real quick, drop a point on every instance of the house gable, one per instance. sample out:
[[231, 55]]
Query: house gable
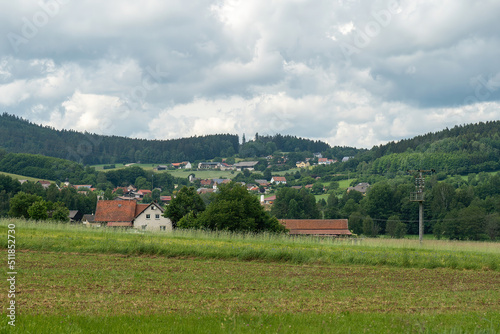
[[151, 218]]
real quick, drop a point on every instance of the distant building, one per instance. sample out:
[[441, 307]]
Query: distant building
[[278, 180], [361, 187], [326, 161], [45, 184], [326, 227], [250, 165], [209, 165], [302, 164], [145, 217]]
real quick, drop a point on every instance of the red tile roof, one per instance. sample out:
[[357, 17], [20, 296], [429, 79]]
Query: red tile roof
[[165, 198], [115, 211], [140, 208], [279, 179], [317, 226]]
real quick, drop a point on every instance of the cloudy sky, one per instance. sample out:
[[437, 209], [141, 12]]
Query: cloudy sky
[[349, 72]]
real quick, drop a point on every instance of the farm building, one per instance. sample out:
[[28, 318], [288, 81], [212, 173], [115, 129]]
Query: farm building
[[123, 213], [329, 227]]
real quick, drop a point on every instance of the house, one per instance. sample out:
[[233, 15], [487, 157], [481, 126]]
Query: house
[[85, 187], [250, 165], [120, 213], [361, 187], [263, 183], [317, 155], [302, 164], [182, 165], [225, 166], [143, 192], [269, 200], [45, 184], [206, 182], [216, 182], [278, 180], [75, 216], [327, 227], [209, 165], [326, 161], [89, 221], [201, 191], [166, 199], [161, 167], [22, 181]]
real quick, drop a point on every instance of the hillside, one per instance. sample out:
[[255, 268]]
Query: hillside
[[21, 136], [463, 149]]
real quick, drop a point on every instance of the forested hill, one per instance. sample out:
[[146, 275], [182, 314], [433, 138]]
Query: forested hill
[[463, 149], [20, 136]]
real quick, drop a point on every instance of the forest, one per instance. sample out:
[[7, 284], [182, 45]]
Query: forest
[[462, 194], [21, 136]]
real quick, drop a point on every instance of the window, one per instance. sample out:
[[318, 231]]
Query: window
[[148, 216], [163, 228], [157, 216]]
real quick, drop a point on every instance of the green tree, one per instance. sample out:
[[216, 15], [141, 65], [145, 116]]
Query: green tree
[[187, 200], [356, 223], [235, 209], [492, 222], [38, 210], [472, 223], [370, 229], [108, 195], [332, 207], [60, 212], [20, 203], [379, 202], [443, 195], [317, 188], [306, 204], [395, 227]]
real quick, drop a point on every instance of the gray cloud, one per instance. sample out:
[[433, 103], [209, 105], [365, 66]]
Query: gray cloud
[[350, 72]]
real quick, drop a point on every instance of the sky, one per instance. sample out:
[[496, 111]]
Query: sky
[[349, 72]]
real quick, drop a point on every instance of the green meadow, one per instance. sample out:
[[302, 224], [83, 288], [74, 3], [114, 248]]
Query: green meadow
[[22, 177], [73, 279]]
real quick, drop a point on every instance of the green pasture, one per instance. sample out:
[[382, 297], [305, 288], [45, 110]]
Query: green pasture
[[72, 279], [22, 177]]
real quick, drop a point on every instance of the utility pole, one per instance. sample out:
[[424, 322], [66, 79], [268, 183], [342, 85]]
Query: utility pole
[[418, 196]]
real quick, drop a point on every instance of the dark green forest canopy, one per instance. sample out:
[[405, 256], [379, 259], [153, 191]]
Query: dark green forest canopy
[[462, 150], [20, 136]]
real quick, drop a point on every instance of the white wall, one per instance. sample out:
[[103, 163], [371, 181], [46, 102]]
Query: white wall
[[152, 223]]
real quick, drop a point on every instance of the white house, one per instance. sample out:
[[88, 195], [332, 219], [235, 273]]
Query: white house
[[129, 213]]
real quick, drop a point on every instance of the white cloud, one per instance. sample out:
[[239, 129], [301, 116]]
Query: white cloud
[[169, 69]]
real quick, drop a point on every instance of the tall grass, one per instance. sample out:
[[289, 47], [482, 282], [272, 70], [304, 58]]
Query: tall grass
[[249, 246]]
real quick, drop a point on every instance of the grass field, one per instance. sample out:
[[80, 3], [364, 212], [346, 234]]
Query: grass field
[[22, 177], [77, 280], [120, 166]]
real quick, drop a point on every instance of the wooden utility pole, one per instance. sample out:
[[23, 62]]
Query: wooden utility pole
[[418, 196]]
